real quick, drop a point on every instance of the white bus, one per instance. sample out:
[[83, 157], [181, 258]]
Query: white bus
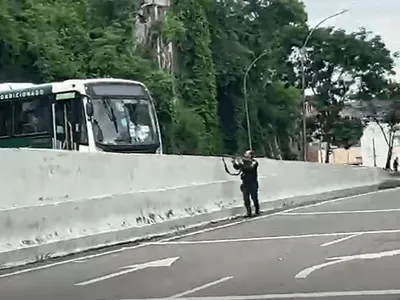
[[111, 115]]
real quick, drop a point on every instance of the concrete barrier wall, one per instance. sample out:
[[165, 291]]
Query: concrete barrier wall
[[56, 202]]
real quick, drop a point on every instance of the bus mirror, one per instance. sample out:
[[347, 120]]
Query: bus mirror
[[89, 109]]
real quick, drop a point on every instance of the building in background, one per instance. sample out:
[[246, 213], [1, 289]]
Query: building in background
[[317, 153], [317, 149], [371, 150], [374, 147]]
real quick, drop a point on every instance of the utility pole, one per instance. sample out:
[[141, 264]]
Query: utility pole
[[374, 151]]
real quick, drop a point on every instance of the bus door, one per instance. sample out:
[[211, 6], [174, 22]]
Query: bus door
[[63, 126], [69, 125]]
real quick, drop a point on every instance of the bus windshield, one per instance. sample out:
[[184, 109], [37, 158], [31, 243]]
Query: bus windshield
[[121, 121]]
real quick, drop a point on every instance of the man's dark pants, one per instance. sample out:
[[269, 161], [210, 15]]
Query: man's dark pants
[[250, 190]]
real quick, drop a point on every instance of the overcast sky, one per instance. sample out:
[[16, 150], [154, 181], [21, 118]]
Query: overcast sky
[[380, 16]]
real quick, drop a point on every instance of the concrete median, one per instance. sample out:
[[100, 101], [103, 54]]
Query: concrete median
[[55, 203]]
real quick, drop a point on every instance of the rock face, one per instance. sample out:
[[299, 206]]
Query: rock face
[[149, 13]]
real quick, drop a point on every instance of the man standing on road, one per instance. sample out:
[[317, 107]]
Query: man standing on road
[[248, 173]]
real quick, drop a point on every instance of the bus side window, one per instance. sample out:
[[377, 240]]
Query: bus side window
[[32, 116], [5, 117]]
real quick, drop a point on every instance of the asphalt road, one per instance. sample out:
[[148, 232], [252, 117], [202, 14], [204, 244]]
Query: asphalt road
[[341, 249]]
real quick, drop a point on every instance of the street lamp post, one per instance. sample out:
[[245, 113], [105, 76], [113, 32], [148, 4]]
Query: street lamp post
[[303, 80], [246, 104]]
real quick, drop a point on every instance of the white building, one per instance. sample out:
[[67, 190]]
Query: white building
[[374, 147]]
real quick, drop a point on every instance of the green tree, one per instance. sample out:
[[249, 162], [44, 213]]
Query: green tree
[[197, 81], [240, 32], [16, 64], [53, 35], [347, 132], [50, 40], [231, 58], [392, 120], [339, 63], [58, 40], [201, 106], [9, 42]]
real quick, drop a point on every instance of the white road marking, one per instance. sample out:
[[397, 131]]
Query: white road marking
[[167, 262], [202, 287], [342, 212], [119, 250], [80, 261], [64, 262], [291, 296], [284, 237], [336, 260], [340, 240], [274, 214], [306, 272], [369, 255]]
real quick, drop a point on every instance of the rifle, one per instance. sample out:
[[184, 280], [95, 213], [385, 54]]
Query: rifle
[[235, 158], [226, 166]]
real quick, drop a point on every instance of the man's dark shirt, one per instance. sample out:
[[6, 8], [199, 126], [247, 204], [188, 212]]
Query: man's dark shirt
[[249, 171]]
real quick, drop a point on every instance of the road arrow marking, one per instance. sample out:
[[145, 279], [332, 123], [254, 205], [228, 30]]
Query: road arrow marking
[[337, 260], [167, 262]]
